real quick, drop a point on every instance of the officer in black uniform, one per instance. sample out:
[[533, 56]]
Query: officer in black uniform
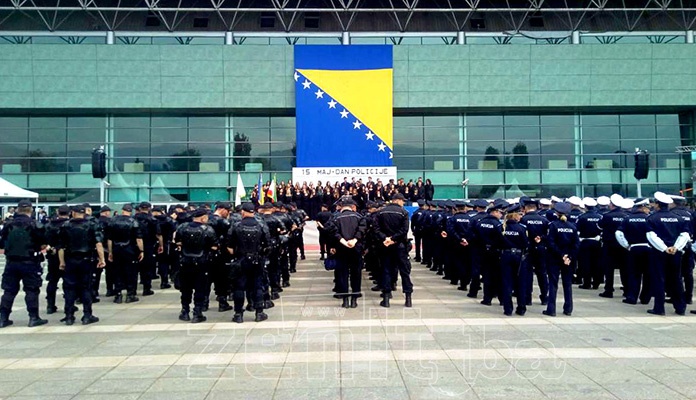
[[283, 262], [417, 228], [197, 242], [322, 218], [475, 247], [303, 217], [276, 229], [488, 232], [614, 256], [457, 230], [391, 229], [563, 245], [54, 272], [427, 228], [220, 260], [347, 231], [667, 235], [632, 235], [79, 237], [590, 254], [166, 227], [125, 243], [537, 229], [687, 259], [22, 239], [247, 243], [103, 221], [153, 244], [513, 270]]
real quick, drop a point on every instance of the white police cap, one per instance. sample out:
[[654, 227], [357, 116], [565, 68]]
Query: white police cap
[[663, 198], [642, 202], [589, 202], [575, 200], [627, 204], [616, 199], [545, 202], [603, 200], [556, 199]]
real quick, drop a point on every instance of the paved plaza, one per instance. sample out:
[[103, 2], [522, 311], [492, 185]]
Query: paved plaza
[[447, 347]]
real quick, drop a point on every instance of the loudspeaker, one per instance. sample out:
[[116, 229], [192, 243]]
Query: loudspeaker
[[642, 165], [98, 163]]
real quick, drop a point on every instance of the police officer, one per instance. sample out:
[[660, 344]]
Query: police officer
[[457, 230], [167, 227], [563, 244], [197, 242], [322, 219], [667, 235], [276, 229], [54, 272], [247, 243], [391, 229], [22, 239], [283, 262], [590, 254], [537, 229], [79, 237], [303, 217], [417, 227], [347, 230], [512, 268], [476, 247], [126, 247], [488, 231], [687, 259], [614, 256], [153, 244], [632, 235], [219, 267], [103, 221]]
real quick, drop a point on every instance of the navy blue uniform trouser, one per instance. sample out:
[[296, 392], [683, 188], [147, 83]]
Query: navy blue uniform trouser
[[348, 271], [248, 283], [394, 260], [613, 257], [147, 268], [688, 274], [589, 263], [536, 259], [27, 273], [125, 270], [77, 281], [556, 269], [637, 267], [220, 275], [490, 271], [194, 284], [418, 241], [509, 268], [460, 264], [666, 275], [475, 270], [52, 277]]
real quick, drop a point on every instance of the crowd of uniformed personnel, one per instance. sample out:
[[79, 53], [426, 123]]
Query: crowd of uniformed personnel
[[246, 254], [499, 246]]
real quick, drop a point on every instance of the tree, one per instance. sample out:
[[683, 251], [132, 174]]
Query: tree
[[38, 161], [520, 158], [186, 160], [241, 151], [492, 155], [293, 163]]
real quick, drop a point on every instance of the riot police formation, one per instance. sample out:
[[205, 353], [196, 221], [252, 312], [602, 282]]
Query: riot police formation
[[517, 251]]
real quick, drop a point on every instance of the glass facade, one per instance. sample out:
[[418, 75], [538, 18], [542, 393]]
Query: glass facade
[[195, 158]]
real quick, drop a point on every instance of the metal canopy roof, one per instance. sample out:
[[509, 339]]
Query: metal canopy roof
[[624, 15]]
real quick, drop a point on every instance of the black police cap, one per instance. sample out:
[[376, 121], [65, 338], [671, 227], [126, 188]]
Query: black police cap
[[64, 209], [562, 208], [480, 203], [515, 208], [127, 207], [24, 203], [223, 205], [199, 212], [104, 209], [248, 207], [398, 196], [79, 208], [145, 205]]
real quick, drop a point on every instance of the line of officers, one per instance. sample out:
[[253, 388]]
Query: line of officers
[[499, 246], [243, 254]]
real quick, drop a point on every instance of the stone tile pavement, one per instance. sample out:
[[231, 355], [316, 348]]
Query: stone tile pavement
[[448, 346]]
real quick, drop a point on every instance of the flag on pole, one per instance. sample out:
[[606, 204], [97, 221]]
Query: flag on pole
[[272, 190], [262, 193], [240, 191]]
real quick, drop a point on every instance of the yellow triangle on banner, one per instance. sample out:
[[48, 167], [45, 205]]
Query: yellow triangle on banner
[[367, 95]]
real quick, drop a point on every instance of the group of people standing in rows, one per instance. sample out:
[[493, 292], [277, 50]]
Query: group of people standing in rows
[[311, 196], [500, 246], [243, 254]]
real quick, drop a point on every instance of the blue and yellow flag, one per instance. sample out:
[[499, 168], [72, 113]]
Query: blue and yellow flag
[[344, 102]]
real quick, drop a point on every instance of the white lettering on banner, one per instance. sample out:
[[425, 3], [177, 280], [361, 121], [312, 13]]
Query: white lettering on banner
[[336, 174]]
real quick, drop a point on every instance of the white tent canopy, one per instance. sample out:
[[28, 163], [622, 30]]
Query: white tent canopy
[[10, 190]]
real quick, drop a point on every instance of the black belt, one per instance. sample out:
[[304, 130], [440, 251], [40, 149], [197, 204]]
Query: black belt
[[513, 251]]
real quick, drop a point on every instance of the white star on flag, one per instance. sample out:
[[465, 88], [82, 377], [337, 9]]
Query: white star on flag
[[391, 155], [332, 103], [357, 124], [370, 135], [319, 93], [344, 113], [306, 84], [296, 76], [382, 146]]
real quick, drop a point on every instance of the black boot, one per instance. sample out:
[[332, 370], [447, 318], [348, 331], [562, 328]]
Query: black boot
[[346, 303], [89, 319], [165, 285], [5, 320], [353, 302], [69, 319], [260, 316], [249, 307], [148, 292], [198, 316], [385, 300], [238, 318], [35, 320], [118, 298], [408, 300], [110, 293], [184, 315], [131, 298], [51, 309], [223, 304], [275, 296]]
